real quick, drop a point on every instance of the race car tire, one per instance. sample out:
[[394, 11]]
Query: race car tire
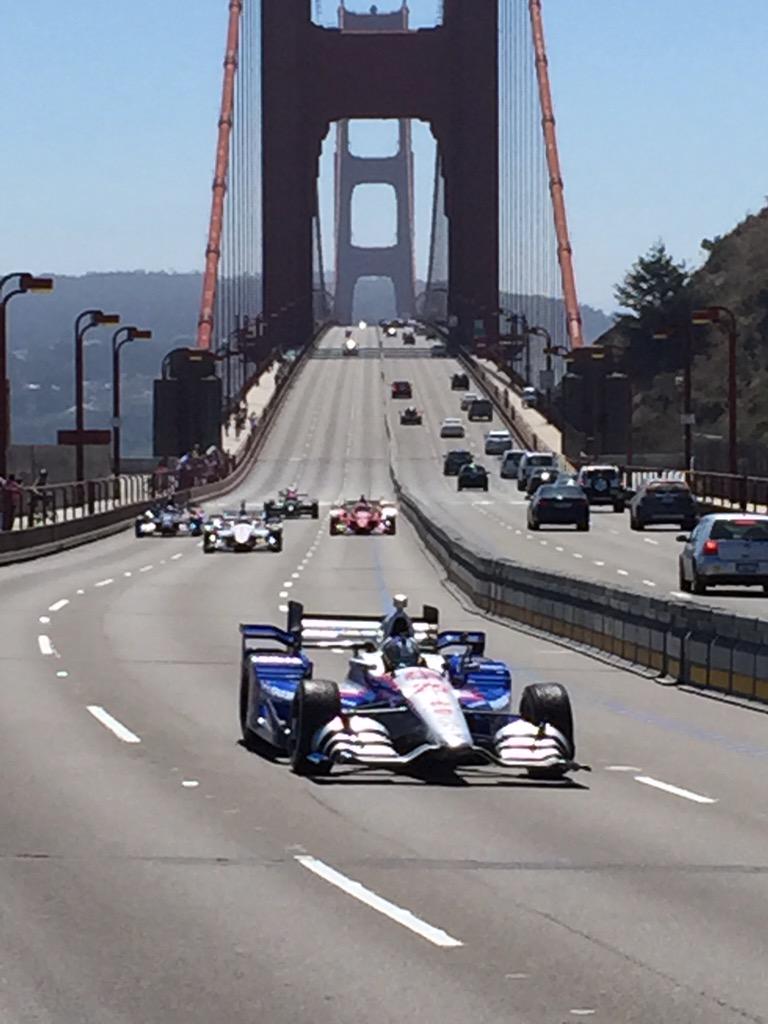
[[533, 526], [137, 531], [392, 527], [278, 546], [209, 549], [550, 703], [315, 510], [582, 527], [269, 508], [317, 702]]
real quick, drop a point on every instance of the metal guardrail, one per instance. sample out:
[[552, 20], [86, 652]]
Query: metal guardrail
[[745, 493]]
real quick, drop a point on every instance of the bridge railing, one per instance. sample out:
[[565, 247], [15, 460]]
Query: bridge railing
[[745, 493]]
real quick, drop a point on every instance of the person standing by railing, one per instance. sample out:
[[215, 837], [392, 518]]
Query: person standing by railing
[[10, 501]]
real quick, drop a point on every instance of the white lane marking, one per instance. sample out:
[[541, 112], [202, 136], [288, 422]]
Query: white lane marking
[[58, 605], [649, 583], [601, 564], [583, 1013], [282, 607], [283, 593], [179, 554], [295, 575], [146, 568], [112, 724], [62, 674], [543, 543], [287, 584], [127, 574], [190, 783], [647, 540], [558, 548], [44, 619], [697, 798], [80, 591], [577, 555], [45, 645], [622, 572], [104, 583], [398, 914], [518, 532], [621, 768]]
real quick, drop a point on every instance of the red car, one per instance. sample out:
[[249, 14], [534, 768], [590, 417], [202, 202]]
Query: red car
[[363, 517], [402, 389]]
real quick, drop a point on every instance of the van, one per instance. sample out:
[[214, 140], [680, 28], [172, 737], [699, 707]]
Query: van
[[511, 463], [531, 461], [481, 409]]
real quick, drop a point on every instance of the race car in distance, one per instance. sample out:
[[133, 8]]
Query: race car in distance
[[242, 531], [454, 460], [292, 504], [472, 476], [459, 382], [350, 347], [363, 517], [169, 519], [412, 695], [559, 505], [409, 338], [402, 389], [410, 417]]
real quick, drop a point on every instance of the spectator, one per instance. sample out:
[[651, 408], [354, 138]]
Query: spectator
[[11, 501]]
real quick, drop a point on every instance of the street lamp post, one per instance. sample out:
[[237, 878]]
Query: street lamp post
[[687, 417], [129, 334], [24, 283], [83, 323], [716, 315]]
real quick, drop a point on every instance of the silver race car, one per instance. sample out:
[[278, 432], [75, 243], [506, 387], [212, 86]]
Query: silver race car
[[242, 531]]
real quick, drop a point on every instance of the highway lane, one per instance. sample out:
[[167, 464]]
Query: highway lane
[[132, 894], [610, 553]]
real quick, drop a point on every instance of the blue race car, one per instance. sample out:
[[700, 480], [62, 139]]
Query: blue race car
[[412, 694]]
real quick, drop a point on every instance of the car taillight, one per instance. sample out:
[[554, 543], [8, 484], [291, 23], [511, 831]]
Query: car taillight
[[710, 547]]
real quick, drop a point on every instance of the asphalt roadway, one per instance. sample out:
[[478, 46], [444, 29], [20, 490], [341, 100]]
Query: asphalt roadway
[[152, 871], [610, 553]]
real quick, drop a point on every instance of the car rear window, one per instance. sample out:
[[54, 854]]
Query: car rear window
[[668, 487], [540, 460], [600, 474], [739, 529]]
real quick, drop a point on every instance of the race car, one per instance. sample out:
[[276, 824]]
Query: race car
[[402, 389], [363, 517], [409, 338], [412, 695], [169, 519], [350, 347], [292, 504], [242, 531], [410, 417]]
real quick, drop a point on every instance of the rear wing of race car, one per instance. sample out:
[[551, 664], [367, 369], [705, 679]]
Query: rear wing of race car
[[472, 639], [353, 631], [249, 631]]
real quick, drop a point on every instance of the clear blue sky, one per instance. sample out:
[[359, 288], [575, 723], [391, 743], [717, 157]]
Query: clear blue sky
[[109, 117]]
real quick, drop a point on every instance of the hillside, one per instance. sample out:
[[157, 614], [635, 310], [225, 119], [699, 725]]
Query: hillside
[[734, 275]]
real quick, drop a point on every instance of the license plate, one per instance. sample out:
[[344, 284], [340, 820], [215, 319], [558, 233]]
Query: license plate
[[565, 504], [746, 567]]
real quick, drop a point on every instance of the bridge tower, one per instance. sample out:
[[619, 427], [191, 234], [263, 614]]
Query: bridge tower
[[446, 76], [395, 262]]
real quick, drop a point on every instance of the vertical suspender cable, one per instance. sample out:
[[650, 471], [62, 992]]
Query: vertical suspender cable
[[213, 248], [565, 253]]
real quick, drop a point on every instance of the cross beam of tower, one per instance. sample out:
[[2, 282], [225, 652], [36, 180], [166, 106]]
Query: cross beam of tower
[[353, 262]]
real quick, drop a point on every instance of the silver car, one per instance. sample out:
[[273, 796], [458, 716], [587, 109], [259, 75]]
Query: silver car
[[497, 442], [725, 548], [467, 399], [452, 427]]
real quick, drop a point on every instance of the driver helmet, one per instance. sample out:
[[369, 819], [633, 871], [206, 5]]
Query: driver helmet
[[400, 652]]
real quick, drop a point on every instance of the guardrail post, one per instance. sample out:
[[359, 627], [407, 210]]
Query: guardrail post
[[90, 496]]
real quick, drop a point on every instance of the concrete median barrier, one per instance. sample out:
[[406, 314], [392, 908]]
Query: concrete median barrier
[[680, 640]]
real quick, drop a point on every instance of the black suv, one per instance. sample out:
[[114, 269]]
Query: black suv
[[454, 460], [472, 476], [663, 501]]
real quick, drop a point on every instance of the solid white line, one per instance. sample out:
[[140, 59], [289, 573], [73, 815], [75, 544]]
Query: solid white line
[[398, 914], [674, 790], [679, 593], [113, 725], [45, 645], [59, 605], [104, 583]]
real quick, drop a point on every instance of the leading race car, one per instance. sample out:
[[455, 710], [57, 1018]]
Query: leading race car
[[292, 504], [410, 417], [363, 517], [412, 695], [170, 519], [242, 531]]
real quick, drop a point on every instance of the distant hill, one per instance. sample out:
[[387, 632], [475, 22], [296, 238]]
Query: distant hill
[[42, 349]]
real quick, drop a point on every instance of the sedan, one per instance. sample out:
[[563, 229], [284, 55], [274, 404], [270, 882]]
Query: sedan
[[452, 427], [402, 389], [472, 477], [726, 548], [467, 400], [563, 506], [454, 460], [497, 442]]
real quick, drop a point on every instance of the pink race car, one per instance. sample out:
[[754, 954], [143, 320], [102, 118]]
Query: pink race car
[[363, 517]]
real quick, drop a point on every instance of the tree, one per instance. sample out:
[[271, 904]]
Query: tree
[[653, 282]]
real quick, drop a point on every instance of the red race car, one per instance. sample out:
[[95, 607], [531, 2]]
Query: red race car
[[402, 389], [363, 517]]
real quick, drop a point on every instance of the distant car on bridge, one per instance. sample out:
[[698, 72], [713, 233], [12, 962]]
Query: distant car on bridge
[[452, 427], [402, 389], [454, 460], [459, 382], [602, 486], [472, 477], [558, 506]]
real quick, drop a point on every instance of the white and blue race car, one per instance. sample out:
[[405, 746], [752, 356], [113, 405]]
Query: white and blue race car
[[412, 695]]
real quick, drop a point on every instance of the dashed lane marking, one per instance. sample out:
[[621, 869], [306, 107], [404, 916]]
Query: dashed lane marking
[[577, 554], [398, 914], [686, 794], [104, 583], [146, 568], [622, 572], [601, 564], [649, 583], [58, 605], [45, 645], [44, 620], [179, 554], [113, 725], [647, 540]]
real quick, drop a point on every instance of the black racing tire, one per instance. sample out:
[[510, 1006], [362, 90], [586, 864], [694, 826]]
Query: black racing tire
[[250, 738], [137, 531], [392, 528], [534, 526], [315, 510], [485, 486], [269, 508], [550, 703], [684, 584], [209, 549], [636, 524], [331, 527], [583, 527], [459, 487], [277, 547], [520, 485], [317, 702]]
